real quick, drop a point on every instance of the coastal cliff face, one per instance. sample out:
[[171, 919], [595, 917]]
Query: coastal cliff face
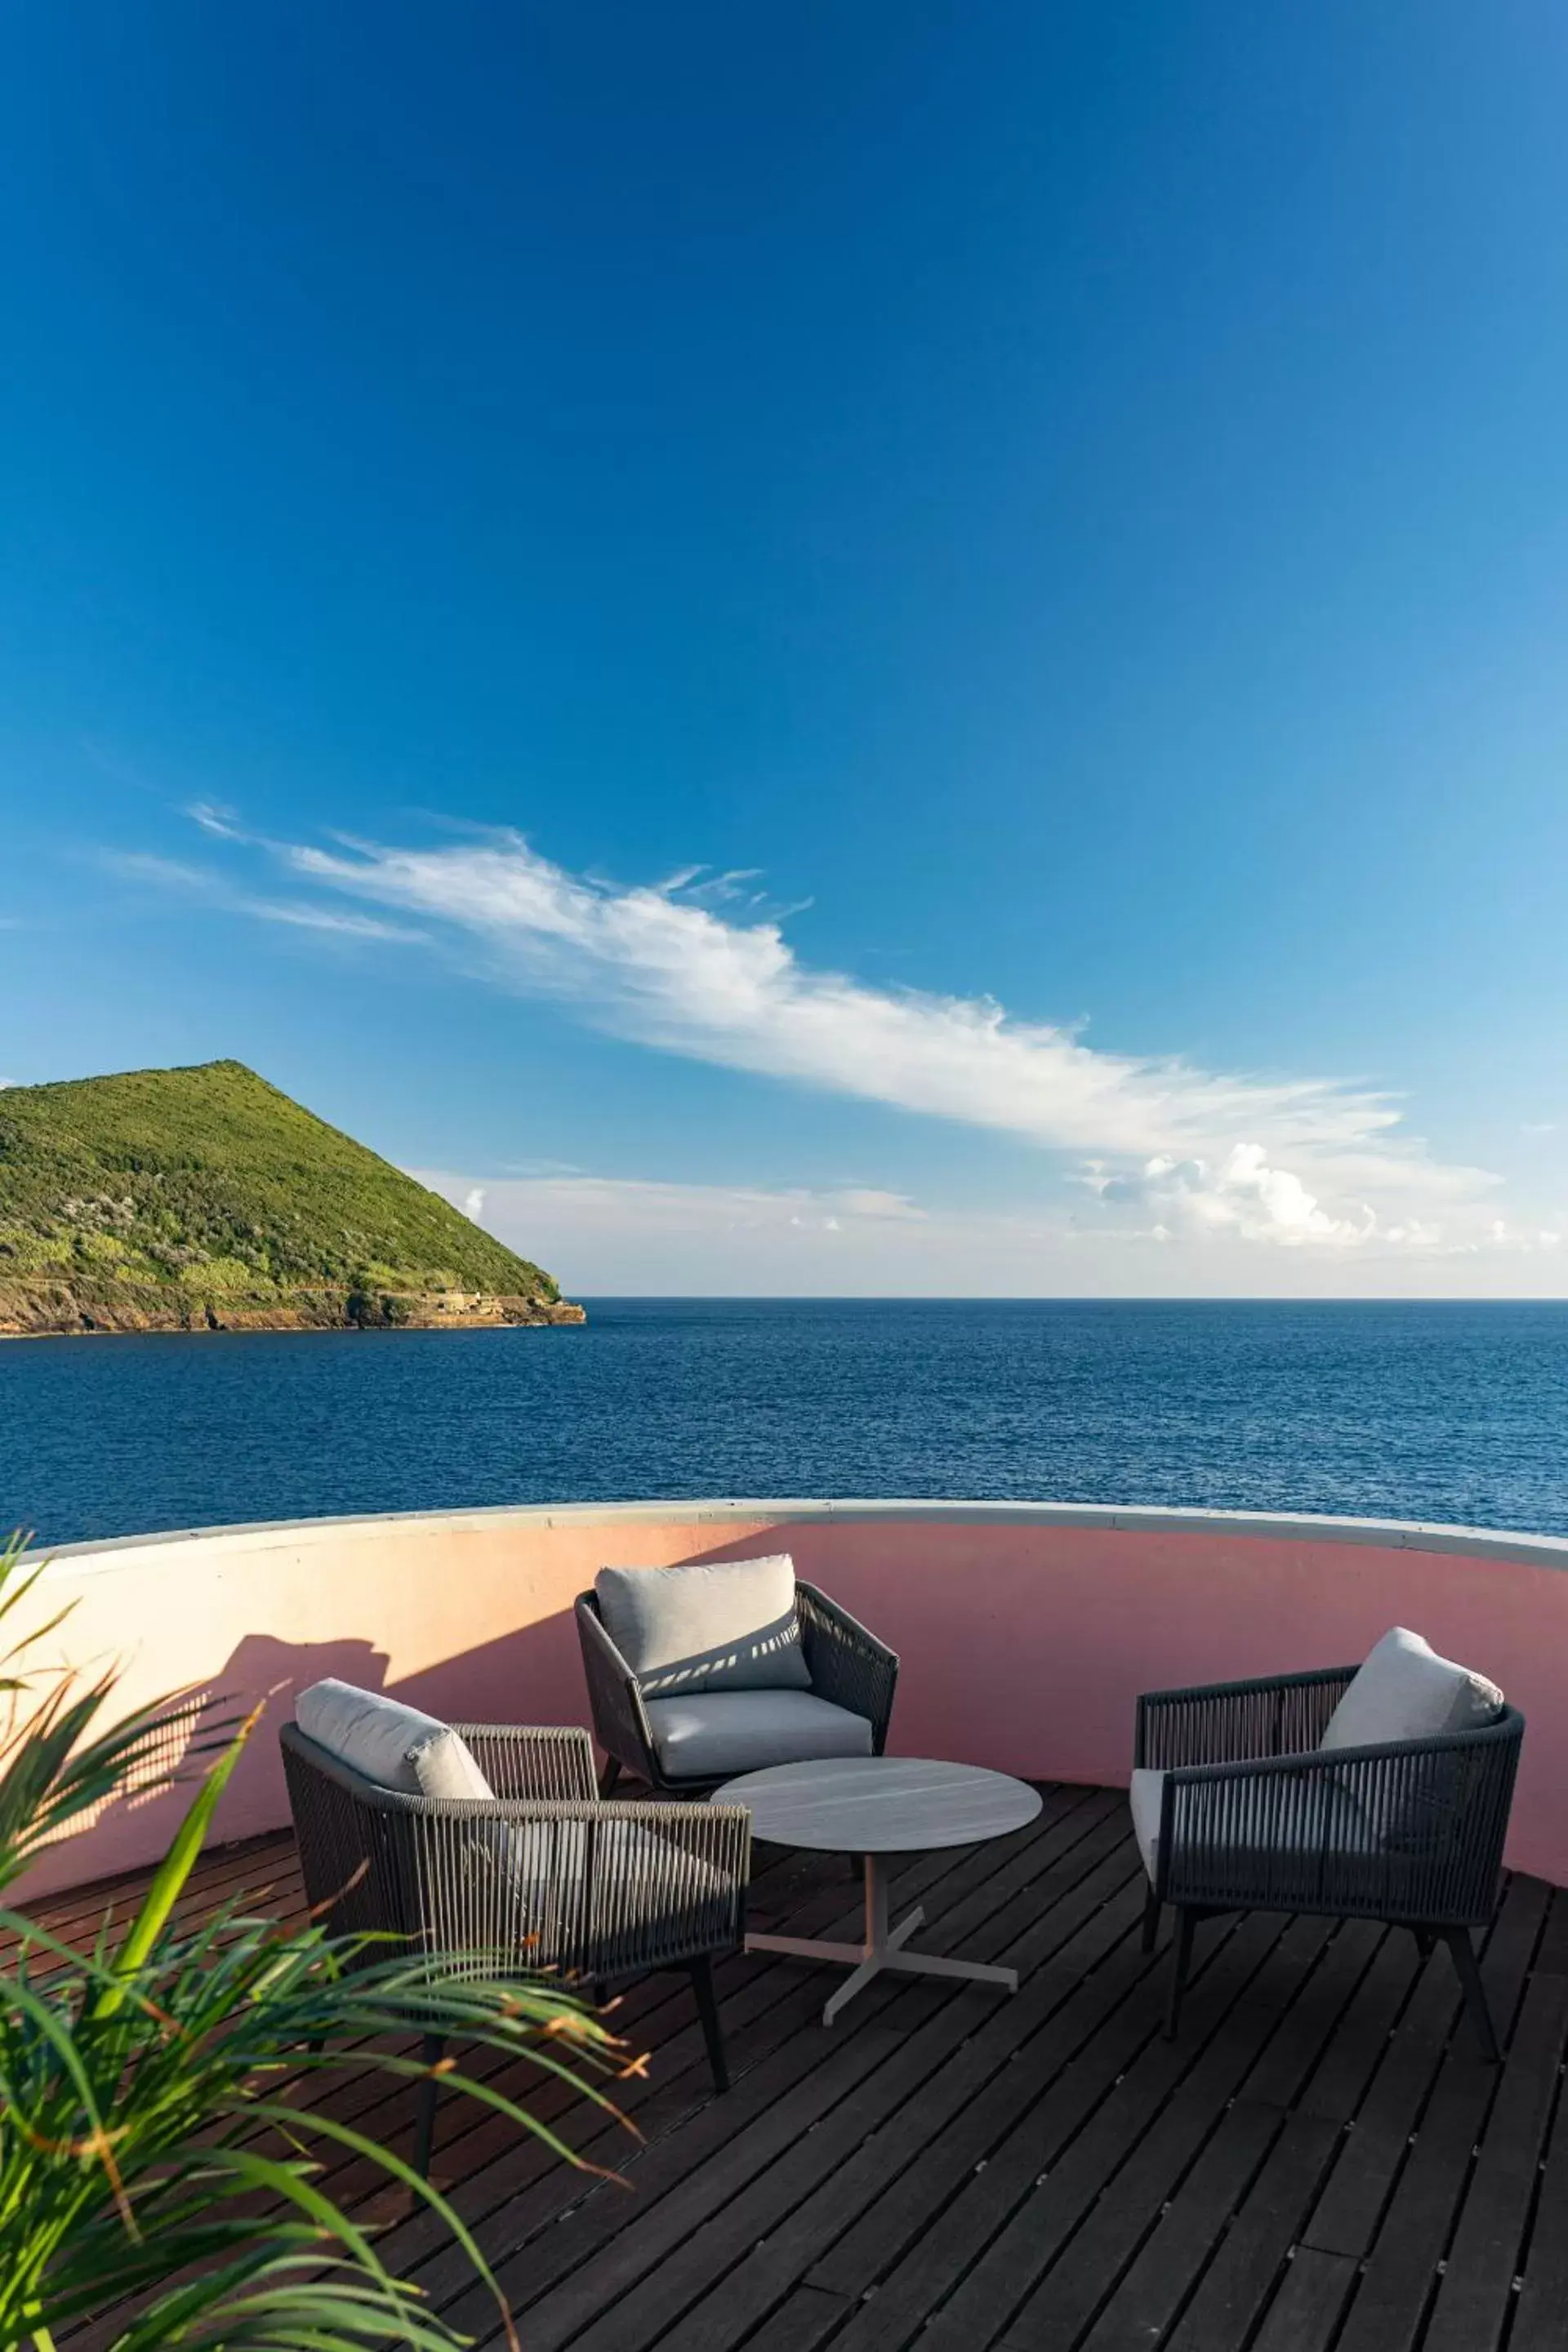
[[204, 1200], [39, 1310]]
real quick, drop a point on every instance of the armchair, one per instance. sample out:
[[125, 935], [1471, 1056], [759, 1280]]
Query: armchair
[[539, 1878], [1237, 1805], [691, 1738]]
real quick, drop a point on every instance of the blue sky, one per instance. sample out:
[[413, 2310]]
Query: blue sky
[[1053, 520]]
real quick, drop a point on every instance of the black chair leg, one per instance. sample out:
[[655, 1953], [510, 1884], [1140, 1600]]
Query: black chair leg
[[1469, 1973], [1181, 1957], [1424, 1942], [609, 1776], [1151, 1920], [707, 2011], [424, 2131]]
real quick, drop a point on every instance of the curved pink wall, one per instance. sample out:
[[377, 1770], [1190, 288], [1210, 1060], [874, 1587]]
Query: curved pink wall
[[1024, 1634]]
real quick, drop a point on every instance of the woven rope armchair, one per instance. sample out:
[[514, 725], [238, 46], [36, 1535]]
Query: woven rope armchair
[[847, 1665], [1254, 1816], [545, 1877]]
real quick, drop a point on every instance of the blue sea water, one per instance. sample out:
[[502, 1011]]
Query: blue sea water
[[1455, 1412]]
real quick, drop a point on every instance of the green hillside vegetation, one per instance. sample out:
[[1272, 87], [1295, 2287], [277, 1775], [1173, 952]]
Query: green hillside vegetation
[[174, 1199]]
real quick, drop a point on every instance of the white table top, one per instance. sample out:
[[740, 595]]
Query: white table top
[[880, 1804]]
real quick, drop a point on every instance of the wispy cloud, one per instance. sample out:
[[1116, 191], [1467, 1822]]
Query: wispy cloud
[[305, 917], [1307, 1161], [658, 966], [610, 1235], [163, 873], [698, 964], [205, 883]]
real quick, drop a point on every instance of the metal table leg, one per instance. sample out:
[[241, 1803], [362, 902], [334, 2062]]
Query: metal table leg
[[881, 1949]]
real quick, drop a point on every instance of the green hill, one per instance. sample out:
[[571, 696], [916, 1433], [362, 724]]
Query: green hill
[[178, 1199]]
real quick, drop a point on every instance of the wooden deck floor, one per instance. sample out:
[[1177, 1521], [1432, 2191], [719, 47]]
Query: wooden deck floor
[[1322, 2160]]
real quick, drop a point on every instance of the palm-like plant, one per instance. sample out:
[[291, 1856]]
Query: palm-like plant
[[156, 2159]]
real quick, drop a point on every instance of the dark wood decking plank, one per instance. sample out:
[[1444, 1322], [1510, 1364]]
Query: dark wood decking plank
[[506, 2185], [804, 2322], [1247, 2261], [527, 2083], [1011, 2221], [1347, 2216], [1486, 2251], [847, 2096], [1551, 1952], [510, 2185], [343, 2172], [1076, 1993], [1390, 2307], [899, 2146], [874, 2187], [658, 2011], [1338, 2083], [227, 1875], [1156, 2283], [1194, 2218], [783, 1999], [737, 2138], [1306, 2311], [1042, 2098], [1256, 2059], [1540, 2323], [1181, 2244], [75, 1910], [1110, 2019]]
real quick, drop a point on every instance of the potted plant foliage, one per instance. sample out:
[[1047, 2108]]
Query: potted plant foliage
[[161, 2159]]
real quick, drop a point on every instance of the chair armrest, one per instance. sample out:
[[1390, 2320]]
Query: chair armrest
[[528, 1760], [669, 1882], [615, 1696], [1238, 1722], [1412, 1830], [600, 1890], [848, 1666]]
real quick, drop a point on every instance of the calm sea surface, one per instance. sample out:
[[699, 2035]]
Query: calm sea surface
[[1457, 1413]]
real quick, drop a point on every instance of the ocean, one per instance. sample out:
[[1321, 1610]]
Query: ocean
[[1448, 1412]]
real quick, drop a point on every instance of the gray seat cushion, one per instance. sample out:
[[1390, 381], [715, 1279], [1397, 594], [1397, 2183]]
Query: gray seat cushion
[[706, 1625], [718, 1734], [1405, 1691], [396, 1746]]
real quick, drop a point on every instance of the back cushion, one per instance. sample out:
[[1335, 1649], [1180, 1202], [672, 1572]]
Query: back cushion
[[396, 1746], [708, 1626], [1405, 1691]]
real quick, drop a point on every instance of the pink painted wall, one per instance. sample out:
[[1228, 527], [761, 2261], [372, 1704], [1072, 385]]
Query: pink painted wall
[[1024, 1642]]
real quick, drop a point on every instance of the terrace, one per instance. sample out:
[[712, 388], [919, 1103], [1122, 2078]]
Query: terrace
[[1321, 2158]]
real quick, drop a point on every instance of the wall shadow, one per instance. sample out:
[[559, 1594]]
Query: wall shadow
[[532, 1675]]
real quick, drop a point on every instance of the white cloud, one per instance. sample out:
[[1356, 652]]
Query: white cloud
[[698, 965], [1306, 1160], [609, 1236], [214, 817], [204, 882], [1242, 1195], [306, 917], [166, 873], [473, 1203], [663, 967]]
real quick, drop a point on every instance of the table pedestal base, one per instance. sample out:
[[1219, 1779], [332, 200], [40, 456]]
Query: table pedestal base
[[881, 1951]]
